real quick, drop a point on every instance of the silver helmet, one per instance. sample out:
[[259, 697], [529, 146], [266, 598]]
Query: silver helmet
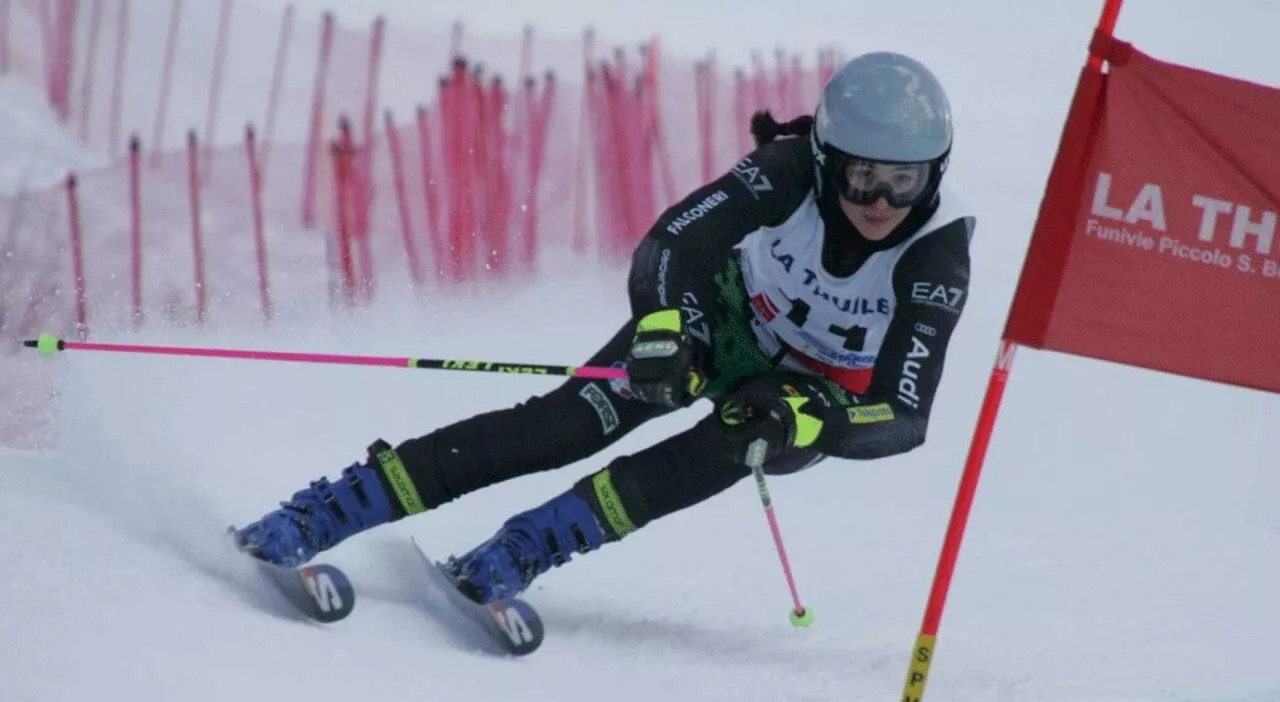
[[882, 129]]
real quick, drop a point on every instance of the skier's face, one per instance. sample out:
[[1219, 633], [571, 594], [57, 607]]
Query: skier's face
[[876, 197], [875, 221]]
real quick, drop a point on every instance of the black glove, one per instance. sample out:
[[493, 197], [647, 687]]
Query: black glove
[[660, 363], [770, 414]]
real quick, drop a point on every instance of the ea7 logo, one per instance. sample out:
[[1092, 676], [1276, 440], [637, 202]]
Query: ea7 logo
[[751, 177], [937, 295], [694, 321]]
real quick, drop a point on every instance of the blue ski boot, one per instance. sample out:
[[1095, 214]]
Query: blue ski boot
[[325, 513], [528, 545]]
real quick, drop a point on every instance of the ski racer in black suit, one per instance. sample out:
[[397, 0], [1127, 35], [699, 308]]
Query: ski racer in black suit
[[810, 294]]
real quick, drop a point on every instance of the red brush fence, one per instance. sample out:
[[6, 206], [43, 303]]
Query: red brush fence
[[259, 225], [461, 176], [481, 181], [197, 237], [77, 258]]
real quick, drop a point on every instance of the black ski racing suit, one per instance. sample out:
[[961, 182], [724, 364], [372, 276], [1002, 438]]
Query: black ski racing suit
[[688, 260]]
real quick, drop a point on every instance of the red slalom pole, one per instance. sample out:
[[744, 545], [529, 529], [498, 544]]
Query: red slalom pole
[[259, 227], [402, 199], [117, 85], [197, 235], [315, 137], [925, 648], [48, 345], [77, 254], [922, 653], [166, 80], [135, 229], [90, 60]]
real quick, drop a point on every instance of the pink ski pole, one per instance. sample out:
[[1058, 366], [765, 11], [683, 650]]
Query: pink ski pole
[[48, 345], [801, 616]]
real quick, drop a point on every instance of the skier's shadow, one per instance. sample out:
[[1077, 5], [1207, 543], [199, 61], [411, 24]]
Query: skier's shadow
[[633, 630], [184, 526], [194, 539], [213, 555], [748, 646]]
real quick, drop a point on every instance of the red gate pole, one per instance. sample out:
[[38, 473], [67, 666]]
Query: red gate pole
[[273, 94], [402, 200], [77, 257], [166, 80], [431, 195], [90, 61], [922, 653], [314, 136], [259, 233], [4, 36], [215, 87], [135, 237], [197, 237], [117, 85]]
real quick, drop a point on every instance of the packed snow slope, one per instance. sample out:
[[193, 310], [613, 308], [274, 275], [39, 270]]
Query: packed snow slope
[[1122, 545]]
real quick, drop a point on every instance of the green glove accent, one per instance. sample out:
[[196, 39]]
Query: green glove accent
[[662, 320], [660, 361], [808, 427]]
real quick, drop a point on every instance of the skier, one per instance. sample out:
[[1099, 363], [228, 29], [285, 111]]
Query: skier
[[810, 293]]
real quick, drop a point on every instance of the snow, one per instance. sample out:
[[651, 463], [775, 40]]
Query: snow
[[37, 152], [1121, 545]]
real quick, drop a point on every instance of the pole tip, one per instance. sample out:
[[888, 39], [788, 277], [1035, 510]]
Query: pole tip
[[802, 618], [47, 344]]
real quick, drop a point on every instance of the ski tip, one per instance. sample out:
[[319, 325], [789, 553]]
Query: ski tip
[[331, 595], [519, 623], [512, 624], [320, 591]]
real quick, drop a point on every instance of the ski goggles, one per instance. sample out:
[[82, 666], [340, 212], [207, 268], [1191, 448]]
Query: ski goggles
[[863, 182]]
